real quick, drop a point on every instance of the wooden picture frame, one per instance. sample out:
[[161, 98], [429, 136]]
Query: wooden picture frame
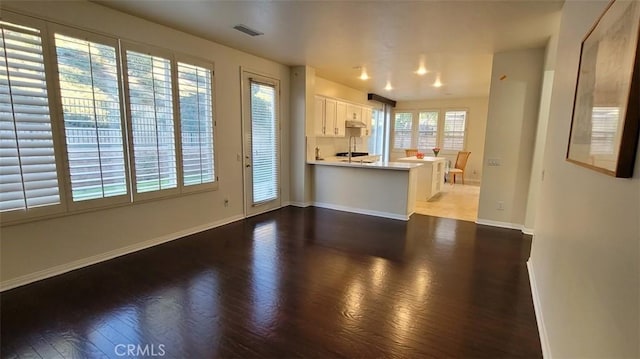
[[606, 110]]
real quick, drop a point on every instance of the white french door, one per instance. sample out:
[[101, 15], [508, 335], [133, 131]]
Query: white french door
[[261, 142]]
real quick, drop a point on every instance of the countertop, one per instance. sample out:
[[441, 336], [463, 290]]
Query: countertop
[[397, 166], [425, 159]]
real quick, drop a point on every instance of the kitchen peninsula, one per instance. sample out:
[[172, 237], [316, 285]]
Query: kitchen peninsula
[[384, 189], [430, 176]]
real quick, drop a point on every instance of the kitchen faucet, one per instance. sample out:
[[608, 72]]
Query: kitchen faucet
[[354, 145]]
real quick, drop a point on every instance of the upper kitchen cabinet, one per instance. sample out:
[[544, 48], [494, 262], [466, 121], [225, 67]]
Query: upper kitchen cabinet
[[320, 125], [341, 117], [367, 116], [354, 113], [330, 116]]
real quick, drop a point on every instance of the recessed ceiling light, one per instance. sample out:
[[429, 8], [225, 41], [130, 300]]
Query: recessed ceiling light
[[437, 83], [388, 87], [247, 30], [363, 75], [421, 71]]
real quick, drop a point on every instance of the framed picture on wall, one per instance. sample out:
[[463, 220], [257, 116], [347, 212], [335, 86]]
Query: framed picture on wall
[[606, 111]]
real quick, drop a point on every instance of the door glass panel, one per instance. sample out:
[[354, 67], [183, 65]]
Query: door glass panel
[[264, 145]]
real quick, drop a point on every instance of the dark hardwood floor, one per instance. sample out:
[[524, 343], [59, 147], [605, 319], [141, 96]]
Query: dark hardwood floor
[[290, 283]]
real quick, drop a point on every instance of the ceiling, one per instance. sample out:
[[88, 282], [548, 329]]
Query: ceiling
[[453, 40]]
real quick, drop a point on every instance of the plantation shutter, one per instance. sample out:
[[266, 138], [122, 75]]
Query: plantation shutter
[[604, 125], [28, 175], [454, 128], [90, 95], [264, 142], [151, 109], [427, 130], [402, 130], [196, 122]]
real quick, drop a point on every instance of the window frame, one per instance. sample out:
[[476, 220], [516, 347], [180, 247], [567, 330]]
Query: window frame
[[439, 127], [415, 112], [123, 199], [412, 131], [189, 60], [47, 30], [465, 132], [20, 215], [168, 55]]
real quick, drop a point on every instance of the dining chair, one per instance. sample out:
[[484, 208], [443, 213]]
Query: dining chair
[[461, 163], [411, 152]]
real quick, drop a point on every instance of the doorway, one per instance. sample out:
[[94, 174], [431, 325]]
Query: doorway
[[261, 143]]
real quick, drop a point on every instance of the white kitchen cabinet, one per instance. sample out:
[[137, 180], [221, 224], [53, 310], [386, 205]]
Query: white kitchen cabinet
[[329, 117], [341, 117], [430, 175], [367, 119], [319, 117], [354, 113]]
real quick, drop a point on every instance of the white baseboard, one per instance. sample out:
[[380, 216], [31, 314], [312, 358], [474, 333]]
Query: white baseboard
[[362, 211], [542, 329], [508, 225], [300, 204], [520, 227], [528, 231], [84, 262]]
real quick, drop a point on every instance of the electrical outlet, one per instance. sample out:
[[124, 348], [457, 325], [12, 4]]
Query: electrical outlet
[[226, 202], [500, 206], [494, 162]]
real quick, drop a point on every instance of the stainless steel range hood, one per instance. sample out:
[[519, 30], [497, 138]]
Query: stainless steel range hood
[[354, 124]]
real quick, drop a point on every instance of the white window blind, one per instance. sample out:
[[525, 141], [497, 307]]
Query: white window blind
[[28, 176], [427, 130], [89, 88], [151, 109], [604, 125], [196, 122], [402, 130], [454, 128], [264, 142]]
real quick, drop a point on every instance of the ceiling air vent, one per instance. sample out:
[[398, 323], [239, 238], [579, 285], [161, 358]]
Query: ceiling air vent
[[247, 30]]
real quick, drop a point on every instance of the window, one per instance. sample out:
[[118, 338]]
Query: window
[[196, 123], [28, 174], [90, 96], [427, 130], [264, 145], [454, 127], [376, 139], [604, 124], [150, 97], [159, 141], [402, 130]]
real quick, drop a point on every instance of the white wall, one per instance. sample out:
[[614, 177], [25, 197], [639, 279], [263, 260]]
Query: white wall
[[302, 95], [333, 89], [510, 136], [35, 249], [585, 258], [477, 123], [535, 181]]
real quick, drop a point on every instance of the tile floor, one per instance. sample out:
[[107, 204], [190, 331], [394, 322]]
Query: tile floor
[[457, 201]]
